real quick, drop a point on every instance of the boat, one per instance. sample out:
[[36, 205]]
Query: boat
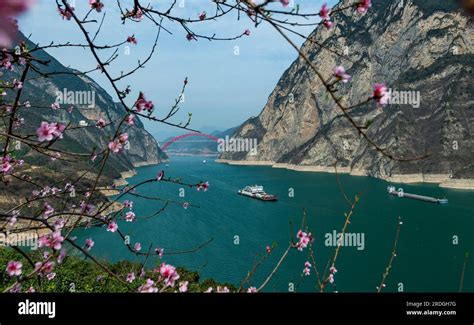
[[257, 192], [401, 193]]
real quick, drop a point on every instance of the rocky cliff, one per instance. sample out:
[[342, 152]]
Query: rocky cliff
[[425, 47]]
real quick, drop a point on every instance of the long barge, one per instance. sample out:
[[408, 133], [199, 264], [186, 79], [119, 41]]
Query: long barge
[[400, 193]]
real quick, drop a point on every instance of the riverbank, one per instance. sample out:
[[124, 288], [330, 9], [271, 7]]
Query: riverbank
[[122, 180], [179, 154], [443, 180]]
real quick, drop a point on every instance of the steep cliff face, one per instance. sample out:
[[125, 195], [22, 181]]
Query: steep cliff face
[[42, 92], [411, 45]]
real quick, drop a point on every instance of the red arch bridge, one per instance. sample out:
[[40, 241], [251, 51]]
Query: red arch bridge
[[187, 135]]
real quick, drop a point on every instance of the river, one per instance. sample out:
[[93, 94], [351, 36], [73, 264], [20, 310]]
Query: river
[[431, 249]]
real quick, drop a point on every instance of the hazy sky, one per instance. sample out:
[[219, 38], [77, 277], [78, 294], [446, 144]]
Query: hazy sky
[[224, 88]]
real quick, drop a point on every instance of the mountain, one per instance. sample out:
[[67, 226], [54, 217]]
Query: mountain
[[412, 45], [197, 145], [41, 92]]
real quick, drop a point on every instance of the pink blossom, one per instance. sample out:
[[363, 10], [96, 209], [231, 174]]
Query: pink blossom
[[16, 288], [148, 287], [160, 175], [51, 276], [49, 131], [115, 146], [47, 210], [363, 6], [123, 138], [222, 289], [304, 240], [132, 40], [252, 290], [168, 272], [89, 244], [333, 270], [143, 104], [6, 63], [63, 253], [183, 286], [307, 268], [130, 119], [268, 249], [381, 94], [87, 208], [6, 166], [130, 277], [202, 15], [56, 240], [44, 268], [324, 13], [45, 132], [100, 123], [190, 37], [137, 247], [17, 84], [55, 155], [128, 204], [66, 13], [285, 3], [328, 24], [55, 190], [159, 251], [8, 10], [247, 32], [138, 15], [209, 290], [112, 226], [44, 241], [96, 4], [203, 186], [12, 220], [14, 268], [185, 205], [59, 223], [340, 74], [130, 216], [331, 278]]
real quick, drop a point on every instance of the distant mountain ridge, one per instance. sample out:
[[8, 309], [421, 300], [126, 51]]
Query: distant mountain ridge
[[197, 145]]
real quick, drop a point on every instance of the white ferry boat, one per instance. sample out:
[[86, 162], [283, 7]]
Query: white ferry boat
[[257, 192]]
